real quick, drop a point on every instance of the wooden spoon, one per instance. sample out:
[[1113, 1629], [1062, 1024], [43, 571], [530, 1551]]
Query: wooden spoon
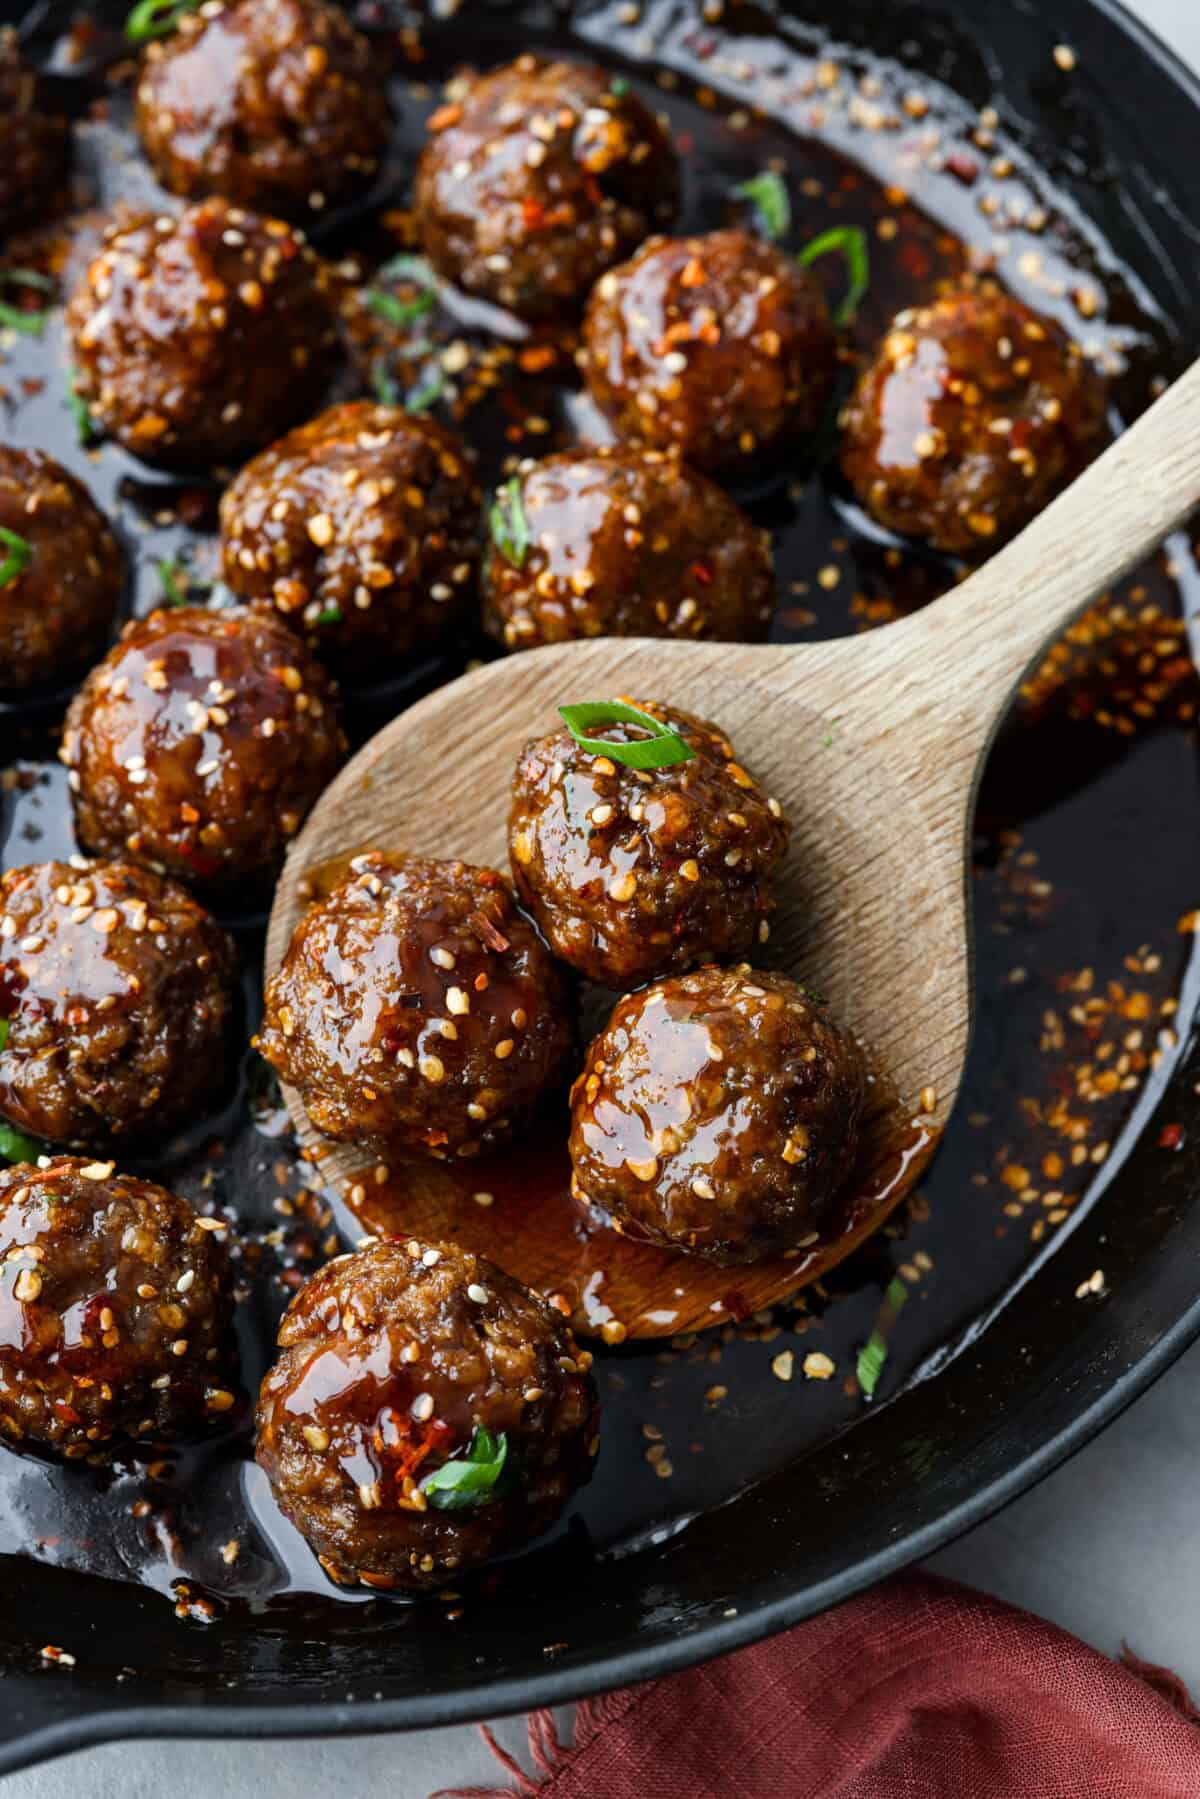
[[875, 745]]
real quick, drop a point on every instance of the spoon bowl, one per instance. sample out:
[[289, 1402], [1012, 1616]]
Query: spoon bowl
[[874, 746]]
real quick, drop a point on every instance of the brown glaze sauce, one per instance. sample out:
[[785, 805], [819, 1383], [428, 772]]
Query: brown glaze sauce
[[1076, 917]]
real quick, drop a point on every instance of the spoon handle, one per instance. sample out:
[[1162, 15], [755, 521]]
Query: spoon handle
[[979, 639]]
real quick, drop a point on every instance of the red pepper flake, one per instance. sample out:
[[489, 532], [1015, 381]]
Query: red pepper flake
[[736, 1305], [1171, 1136], [963, 167], [533, 214], [487, 932], [444, 117], [693, 273], [538, 357], [702, 573]]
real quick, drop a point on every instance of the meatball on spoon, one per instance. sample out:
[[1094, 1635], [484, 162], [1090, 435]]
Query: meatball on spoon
[[873, 745]]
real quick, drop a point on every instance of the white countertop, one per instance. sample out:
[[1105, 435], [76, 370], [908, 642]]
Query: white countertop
[[1107, 1547]]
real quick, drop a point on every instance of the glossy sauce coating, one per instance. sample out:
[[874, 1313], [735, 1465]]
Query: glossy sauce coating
[[973, 414], [417, 1010], [197, 339], [276, 104], [117, 990], [718, 1114], [362, 528], [545, 174], [200, 742], [56, 612], [721, 346], [632, 873], [114, 1308], [34, 141], [628, 542], [391, 1359]]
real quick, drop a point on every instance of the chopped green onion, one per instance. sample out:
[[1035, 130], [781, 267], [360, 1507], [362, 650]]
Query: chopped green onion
[[330, 615], [618, 87], [85, 424], [768, 195], [398, 312], [4, 1025], [156, 18], [851, 242], [16, 1147], [874, 1352], [659, 749], [20, 555], [174, 578], [427, 391], [28, 278], [471, 1479], [386, 391], [29, 324], [508, 525]]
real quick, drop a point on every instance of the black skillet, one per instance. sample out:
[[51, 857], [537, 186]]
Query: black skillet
[[782, 1497]]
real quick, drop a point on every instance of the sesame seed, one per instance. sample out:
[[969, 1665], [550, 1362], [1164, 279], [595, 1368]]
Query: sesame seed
[[422, 1407], [432, 1068], [623, 887], [431, 1258], [186, 1281], [484, 1199], [28, 1285], [457, 1000], [642, 1171], [477, 1293], [97, 1171], [504, 1049], [442, 958]]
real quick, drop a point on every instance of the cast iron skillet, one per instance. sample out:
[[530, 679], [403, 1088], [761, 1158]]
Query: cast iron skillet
[[1004, 1399]]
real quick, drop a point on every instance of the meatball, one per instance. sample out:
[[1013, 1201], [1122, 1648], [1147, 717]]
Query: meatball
[[544, 176], [116, 991], [362, 527], [417, 1010], [972, 415], [718, 1113], [721, 346], [197, 339], [200, 742], [427, 1413], [57, 604], [277, 104], [631, 873], [114, 1310], [625, 542], [34, 141]]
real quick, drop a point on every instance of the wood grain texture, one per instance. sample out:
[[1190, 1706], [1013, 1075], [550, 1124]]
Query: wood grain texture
[[873, 744]]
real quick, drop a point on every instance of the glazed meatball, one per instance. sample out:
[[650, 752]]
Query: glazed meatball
[[625, 542], [114, 1311], [400, 1365], [34, 141], [277, 104], [721, 346], [199, 744], [362, 528], [57, 606], [116, 989], [544, 176], [718, 1113], [631, 873], [973, 414], [416, 1010], [197, 339]]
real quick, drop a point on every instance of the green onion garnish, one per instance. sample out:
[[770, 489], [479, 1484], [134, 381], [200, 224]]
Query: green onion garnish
[[174, 578], [386, 391], [20, 554], [469, 1479], [874, 1352], [3, 1032], [426, 392], [31, 324], [27, 278], [85, 424], [658, 749], [398, 312], [508, 525], [851, 242], [768, 195], [16, 1147], [156, 18], [330, 615], [618, 87]]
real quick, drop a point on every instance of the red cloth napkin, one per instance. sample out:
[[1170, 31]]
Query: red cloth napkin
[[918, 1690]]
